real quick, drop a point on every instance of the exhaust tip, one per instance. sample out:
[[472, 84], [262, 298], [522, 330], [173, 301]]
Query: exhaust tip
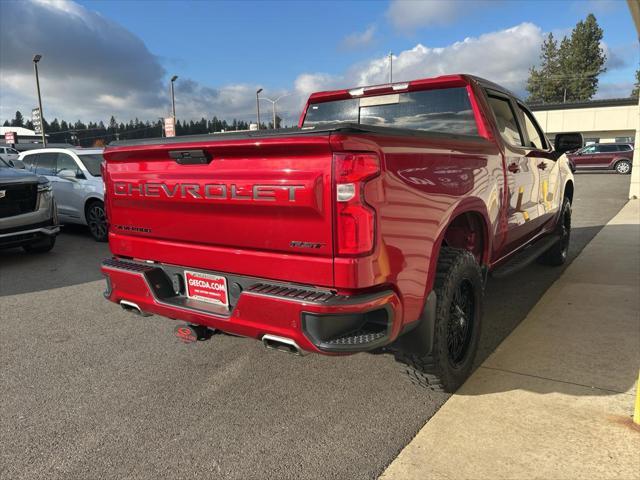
[[283, 344], [133, 308]]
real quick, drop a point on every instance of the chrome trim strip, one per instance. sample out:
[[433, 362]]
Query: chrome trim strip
[[283, 340]]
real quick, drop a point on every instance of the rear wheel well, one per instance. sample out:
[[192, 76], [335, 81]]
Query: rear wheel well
[[91, 200], [88, 202], [568, 191], [468, 232], [618, 160]]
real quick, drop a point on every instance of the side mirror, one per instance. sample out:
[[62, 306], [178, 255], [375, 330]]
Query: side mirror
[[565, 142], [67, 174]]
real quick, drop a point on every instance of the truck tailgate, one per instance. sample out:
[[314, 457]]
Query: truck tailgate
[[241, 206]]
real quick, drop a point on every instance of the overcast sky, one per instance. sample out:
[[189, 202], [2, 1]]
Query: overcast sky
[[116, 57]]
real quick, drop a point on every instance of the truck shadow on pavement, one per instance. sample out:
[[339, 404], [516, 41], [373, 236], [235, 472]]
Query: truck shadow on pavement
[[571, 344]]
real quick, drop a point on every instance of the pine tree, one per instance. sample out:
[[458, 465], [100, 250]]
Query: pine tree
[[544, 84], [584, 60], [569, 72], [18, 121], [636, 86]]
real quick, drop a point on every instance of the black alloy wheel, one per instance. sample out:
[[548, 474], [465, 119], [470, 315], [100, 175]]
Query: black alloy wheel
[[459, 290], [97, 221], [461, 322], [557, 255]]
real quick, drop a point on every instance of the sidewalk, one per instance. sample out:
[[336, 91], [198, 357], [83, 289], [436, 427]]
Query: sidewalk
[[555, 400]]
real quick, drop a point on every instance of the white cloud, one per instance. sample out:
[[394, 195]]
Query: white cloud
[[93, 68], [503, 56], [359, 39], [89, 65], [408, 15]]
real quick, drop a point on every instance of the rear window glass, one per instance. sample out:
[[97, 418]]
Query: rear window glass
[[442, 110], [339, 111], [46, 164], [608, 148], [30, 161]]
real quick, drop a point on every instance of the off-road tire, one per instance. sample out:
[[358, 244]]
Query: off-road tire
[[623, 167], [97, 220], [41, 246], [435, 370], [557, 255]]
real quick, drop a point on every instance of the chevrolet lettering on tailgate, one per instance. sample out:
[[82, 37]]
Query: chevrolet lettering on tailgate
[[209, 191]]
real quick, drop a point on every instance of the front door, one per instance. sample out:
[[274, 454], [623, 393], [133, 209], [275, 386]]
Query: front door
[[523, 178], [69, 193], [589, 157], [540, 152]]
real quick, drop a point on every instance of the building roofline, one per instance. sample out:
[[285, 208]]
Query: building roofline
[[607, 102]]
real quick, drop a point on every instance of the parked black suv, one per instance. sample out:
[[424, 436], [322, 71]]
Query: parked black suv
[[28, 216]]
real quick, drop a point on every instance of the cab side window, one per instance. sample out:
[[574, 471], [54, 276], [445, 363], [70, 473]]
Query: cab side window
[[534, 132], [65, 162], [30, 162], [46, 164], [506, 120], [607, 148]]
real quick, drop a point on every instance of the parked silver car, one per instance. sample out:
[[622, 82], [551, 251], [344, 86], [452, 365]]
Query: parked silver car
[[28, 216], [77, 184]]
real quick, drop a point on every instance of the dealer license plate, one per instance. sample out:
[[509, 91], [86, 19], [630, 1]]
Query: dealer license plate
[[207, 288]]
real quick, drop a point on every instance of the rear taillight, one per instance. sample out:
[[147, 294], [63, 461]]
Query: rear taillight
[[355, 220]]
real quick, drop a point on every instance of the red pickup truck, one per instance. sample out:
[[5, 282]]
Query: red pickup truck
[[372, 226]]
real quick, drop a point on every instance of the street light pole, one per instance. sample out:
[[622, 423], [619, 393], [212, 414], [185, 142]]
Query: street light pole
[[274, 115], [273, 103], [36, 59], [390, 67], [258, 105], [173, 99]]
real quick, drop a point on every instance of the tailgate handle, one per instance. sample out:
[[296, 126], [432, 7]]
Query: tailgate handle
[[190, 157]]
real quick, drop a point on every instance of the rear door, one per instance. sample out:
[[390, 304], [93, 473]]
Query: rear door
[[606, 154], [264, 196]]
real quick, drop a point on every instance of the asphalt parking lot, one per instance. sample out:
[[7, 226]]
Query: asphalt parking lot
[[88, 391]]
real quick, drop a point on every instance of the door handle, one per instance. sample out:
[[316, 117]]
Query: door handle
[[542, 165], [513, 168]]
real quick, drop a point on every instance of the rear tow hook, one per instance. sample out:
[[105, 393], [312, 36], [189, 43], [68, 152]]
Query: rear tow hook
[[193, 333]]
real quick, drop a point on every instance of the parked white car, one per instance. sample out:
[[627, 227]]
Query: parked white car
[[9, 154], [77, 184]]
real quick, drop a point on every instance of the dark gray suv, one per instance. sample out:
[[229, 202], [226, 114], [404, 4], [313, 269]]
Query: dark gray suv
[[28, 215]]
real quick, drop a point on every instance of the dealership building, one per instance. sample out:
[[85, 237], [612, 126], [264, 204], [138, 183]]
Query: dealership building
[[599, 121]]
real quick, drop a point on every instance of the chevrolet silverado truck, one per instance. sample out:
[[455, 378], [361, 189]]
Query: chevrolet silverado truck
[[372, 226]]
